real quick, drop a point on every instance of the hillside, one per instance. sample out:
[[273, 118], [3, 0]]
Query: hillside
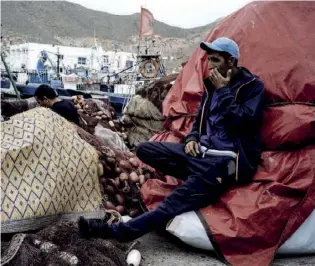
[[61, 18], [65, 23]]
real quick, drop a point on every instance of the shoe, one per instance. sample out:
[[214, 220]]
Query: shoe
[[95, 228]]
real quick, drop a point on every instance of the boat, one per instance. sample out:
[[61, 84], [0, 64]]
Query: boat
[[102, 79]]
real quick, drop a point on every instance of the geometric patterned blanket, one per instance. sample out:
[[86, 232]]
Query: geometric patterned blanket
[[48, 172]]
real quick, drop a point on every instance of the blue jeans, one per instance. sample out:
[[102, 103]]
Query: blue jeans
[[200, 187]]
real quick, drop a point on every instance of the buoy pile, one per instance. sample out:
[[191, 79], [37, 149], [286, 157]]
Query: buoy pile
[[121, 177], [99, 113]]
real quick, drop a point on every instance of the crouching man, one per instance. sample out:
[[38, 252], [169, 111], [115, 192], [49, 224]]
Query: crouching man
[[222, 149], [46, 96]]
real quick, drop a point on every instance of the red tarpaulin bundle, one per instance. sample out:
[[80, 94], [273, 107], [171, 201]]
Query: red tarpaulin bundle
[[277, 48], [277, 41], [288, 126]]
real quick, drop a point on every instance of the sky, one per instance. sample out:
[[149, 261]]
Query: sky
[[181, 13]]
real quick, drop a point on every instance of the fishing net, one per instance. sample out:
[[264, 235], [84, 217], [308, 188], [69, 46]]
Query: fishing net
[[143, 116], [62, 245], [157, 90], [99, 118], [122, 195], [142, 120], [13, 107]]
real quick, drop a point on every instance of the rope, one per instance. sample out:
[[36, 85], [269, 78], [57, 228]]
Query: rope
[[289, 103], [180, 116], [14, 247], [115, 216]]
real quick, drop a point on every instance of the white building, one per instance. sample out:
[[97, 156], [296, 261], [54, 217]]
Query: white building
[[117, 61], [94, 59]]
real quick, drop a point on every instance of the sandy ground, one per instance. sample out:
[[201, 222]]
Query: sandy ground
[[159, 250]]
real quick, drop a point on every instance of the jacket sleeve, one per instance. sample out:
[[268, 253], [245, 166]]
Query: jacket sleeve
[[237, 114], [194, 133]]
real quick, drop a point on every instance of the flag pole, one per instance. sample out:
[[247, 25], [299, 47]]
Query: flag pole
[[146, 38], [139, 40]]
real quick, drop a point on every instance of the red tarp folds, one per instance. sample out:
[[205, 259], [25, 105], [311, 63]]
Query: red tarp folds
[[277, 41], [262, 209], [288, 126]]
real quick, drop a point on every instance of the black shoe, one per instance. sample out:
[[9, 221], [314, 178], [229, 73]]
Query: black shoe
[[92, 228]]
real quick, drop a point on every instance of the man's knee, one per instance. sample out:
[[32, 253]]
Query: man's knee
[[143, 149], [158, 150]]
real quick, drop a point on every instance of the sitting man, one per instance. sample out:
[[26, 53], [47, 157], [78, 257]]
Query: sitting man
[[222, 149], [46, 96]]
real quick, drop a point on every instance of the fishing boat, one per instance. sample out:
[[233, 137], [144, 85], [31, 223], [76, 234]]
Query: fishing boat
[[111, 75]]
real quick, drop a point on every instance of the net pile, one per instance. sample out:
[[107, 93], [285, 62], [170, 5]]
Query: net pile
[[99, 118], [121, 178], [13, 107], [97, 111], [143, 115], [157, 90], [62, 245], [142, 120]]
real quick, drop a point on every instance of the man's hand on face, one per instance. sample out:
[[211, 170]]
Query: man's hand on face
[[192, 148], [218, 80]]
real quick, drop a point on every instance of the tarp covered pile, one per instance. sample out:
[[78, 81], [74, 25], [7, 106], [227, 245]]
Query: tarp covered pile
[[249, 223], [31, 137], [53, 170], [47, 172]]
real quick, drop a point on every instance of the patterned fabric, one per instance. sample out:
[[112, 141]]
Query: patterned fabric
[[47, 171]]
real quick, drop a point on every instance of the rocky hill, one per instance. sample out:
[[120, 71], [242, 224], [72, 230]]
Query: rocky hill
[[65, 23]]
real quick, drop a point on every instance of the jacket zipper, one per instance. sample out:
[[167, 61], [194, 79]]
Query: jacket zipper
[[201, 118], [202, 112], [243, 86], [238, 152]]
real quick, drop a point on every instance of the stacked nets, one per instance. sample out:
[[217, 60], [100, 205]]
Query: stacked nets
[[143, 116], [62, 245]]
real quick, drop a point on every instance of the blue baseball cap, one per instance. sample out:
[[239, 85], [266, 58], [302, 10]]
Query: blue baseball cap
[[222, 44]]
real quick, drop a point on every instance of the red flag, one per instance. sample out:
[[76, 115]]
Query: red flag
[[146, 23]]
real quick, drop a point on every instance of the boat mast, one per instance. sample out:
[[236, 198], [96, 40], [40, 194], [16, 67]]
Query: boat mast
[[58, 63], [10, 76]]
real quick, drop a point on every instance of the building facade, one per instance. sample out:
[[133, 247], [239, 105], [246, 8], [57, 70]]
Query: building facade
[[26, 56]]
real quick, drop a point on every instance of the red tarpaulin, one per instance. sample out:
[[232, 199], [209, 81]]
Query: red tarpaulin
[[250, 222], [288, 126], [277, 48], [277, 41]]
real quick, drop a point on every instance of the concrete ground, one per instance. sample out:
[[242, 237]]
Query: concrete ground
[[159, 250]]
